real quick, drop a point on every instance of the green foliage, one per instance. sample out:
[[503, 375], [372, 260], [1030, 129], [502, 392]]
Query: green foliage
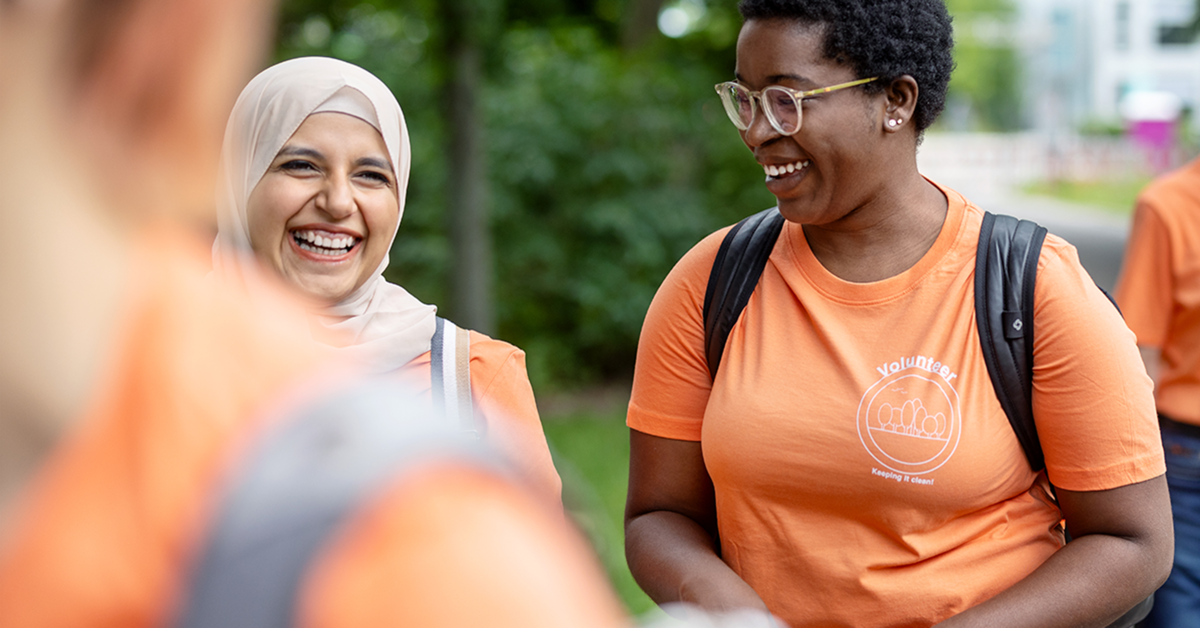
[[1102, 128], [605, 165], [1114, 196], [987, 73], [591, 452], [599, 179]]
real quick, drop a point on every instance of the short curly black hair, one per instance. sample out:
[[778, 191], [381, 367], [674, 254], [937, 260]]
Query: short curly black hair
[[884, 38]]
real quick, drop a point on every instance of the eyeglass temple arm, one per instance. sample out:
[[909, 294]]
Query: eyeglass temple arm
[[825, 90]]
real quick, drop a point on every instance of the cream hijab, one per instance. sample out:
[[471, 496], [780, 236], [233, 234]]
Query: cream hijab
[[380, 325]]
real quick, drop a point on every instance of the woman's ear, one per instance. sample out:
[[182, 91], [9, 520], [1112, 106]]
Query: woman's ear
[[901, 96]]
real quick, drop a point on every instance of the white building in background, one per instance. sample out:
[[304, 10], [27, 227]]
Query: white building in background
[[1081, 60], [1082, 57]]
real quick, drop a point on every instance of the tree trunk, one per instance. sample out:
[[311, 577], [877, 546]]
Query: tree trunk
[[640, 23], [470, 235]]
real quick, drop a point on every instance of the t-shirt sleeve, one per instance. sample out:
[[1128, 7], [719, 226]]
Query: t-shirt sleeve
[[504, 397], [1144, 290], [1092, 401], [671, 381]]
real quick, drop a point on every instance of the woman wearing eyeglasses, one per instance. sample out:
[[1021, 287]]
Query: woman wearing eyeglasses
[[849, 464]]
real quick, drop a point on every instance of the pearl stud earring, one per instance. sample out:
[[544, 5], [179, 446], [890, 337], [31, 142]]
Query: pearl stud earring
[[893, 123]]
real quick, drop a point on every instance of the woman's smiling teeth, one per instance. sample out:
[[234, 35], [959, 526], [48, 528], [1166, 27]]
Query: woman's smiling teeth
[[314, 242], [785, 169]]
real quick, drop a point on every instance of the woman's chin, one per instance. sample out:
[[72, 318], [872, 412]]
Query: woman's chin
[[318, 293], [797, 211], [322, 283]]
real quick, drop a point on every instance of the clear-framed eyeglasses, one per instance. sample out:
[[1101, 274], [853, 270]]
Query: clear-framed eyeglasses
[[781, 104]]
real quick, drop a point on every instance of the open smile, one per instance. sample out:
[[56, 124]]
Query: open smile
[[784, 170], [326, 245]]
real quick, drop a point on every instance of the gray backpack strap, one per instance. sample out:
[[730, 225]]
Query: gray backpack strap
[[296, 489], [450, 375]]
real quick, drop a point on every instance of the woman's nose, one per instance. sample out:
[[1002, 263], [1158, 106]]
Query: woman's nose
[[760, 131], [337, 198]]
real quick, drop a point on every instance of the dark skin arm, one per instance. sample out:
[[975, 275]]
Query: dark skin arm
[[671, 528], [1121, 552]]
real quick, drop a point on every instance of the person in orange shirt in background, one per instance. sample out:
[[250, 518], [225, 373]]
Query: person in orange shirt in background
[[132, 389], [1159, 294], [313, 179]]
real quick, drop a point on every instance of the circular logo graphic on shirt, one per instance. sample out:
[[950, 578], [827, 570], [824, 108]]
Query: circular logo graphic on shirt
[[909, 421]]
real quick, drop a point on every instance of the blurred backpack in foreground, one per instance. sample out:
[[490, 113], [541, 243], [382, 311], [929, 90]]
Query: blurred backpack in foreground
[[354, 514]]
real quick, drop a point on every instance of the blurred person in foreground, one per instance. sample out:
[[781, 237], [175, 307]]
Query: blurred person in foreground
[[850, 463], [132, 391], [314, 172], [1159, 294]]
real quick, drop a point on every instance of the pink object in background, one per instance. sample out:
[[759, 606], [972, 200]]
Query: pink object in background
[[1151, 119]]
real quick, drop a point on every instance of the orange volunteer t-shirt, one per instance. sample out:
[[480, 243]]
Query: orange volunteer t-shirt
[[504, 402], [1159, 289], [865, 474]]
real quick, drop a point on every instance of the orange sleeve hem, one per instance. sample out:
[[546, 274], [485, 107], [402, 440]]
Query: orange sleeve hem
[[662, 425], [1145, 467]]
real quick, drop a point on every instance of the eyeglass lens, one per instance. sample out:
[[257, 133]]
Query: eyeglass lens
[[739, 106], [781, 108]]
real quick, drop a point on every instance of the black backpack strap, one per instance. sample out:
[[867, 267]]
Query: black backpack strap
[[735, 273], [295, 490], [1005, 273]]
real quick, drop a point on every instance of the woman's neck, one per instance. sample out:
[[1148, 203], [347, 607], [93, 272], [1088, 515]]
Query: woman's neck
[[884, 237]]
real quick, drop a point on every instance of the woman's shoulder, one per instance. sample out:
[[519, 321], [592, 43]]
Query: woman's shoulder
[[494, 360], [484, 348], [487, 354], [1058, 255], [1177, 185], [498, 373], [705, 251], [1064, 289], [692, 270]]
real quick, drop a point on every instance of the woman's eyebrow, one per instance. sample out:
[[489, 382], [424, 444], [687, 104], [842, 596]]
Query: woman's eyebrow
[[300, 151], [374, 162], [776, 79], [794, 78]]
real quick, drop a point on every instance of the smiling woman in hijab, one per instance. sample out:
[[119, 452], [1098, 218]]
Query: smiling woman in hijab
[[313, 177]]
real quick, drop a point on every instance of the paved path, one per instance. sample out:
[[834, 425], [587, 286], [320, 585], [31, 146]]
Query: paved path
[[1099, 236]]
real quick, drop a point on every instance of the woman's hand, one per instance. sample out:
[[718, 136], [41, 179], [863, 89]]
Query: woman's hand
[[1121, 552], [671, 528]]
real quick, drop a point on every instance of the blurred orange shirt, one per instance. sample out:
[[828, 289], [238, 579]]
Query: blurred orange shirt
[[459, 547], [1159, 288], [105, 534]]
